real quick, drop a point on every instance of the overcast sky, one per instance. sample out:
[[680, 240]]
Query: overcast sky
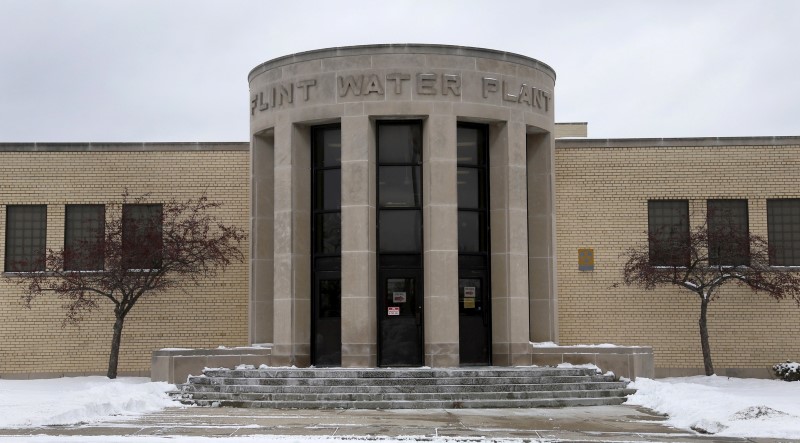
[[161, 70]]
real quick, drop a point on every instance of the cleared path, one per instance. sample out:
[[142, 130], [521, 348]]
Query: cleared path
[[597, 423]]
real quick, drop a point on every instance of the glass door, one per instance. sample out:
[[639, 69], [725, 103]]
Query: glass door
[[326, 251], [401, 317], [474, 298], [399, 292]]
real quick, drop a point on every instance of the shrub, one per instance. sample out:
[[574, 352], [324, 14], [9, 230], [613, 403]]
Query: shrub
[[789, 371]]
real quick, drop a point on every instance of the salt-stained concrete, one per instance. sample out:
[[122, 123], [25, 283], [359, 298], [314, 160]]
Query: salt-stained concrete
[[598, 423]]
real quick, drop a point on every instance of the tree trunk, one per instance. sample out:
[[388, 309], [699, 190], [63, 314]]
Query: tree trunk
[[709, 366], [113, 357]]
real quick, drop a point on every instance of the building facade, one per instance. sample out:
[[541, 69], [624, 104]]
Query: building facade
[[406, 205]]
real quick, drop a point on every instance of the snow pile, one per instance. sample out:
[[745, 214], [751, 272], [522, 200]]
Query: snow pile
[[549, 344], [581, 366], [61, 401], [733, 407]]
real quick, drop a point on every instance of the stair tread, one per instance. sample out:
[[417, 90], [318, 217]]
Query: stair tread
[[490, 387]]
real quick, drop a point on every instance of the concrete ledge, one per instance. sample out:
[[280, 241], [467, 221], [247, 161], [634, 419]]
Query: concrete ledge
[[124, 147], [764, 372], [624, 361], [174, 365], [42, 375], [677, 142]]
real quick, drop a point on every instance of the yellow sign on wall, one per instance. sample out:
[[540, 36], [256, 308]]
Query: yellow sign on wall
[[586, 259]]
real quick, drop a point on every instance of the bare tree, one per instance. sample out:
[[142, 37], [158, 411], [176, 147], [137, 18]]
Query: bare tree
[[704, 262], [142, 250]]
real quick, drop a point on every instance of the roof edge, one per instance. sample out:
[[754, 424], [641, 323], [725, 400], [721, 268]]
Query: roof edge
[[401, 48], [124, 147], [676, 142]]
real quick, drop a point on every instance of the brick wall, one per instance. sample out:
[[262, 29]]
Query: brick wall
[[602, 188], [213, 314]]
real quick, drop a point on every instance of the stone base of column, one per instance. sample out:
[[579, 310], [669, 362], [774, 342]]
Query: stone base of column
[[441, 355], [359, 355], [290, 355], [511, 354]]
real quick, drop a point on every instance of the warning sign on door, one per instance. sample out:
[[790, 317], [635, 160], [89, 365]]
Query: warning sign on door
[[398, 297], [393, 310], [469, 291]]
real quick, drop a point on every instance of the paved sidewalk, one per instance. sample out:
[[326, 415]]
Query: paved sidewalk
[[597, 423]]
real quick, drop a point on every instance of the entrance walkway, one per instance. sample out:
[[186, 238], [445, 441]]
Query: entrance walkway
[[597, 423]]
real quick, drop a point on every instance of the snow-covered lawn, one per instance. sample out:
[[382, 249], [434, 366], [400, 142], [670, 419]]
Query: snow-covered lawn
[[720, 405], [70, 400], [733, 407]]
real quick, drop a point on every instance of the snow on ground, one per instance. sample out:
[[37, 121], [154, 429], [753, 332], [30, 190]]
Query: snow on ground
[[733, 407], [253, 439], [71, 400]]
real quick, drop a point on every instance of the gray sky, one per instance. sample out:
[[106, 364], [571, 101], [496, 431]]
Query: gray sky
[[163, 70]]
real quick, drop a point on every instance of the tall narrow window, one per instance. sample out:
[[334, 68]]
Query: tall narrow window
[[473, 244], [26, 234], [728, 232], [142, 241], [326, 232], [783, 230], [400, 288], [84, 229], [668, 229]]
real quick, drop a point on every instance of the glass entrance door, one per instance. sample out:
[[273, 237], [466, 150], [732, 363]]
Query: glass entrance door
[[399, 292], [472, 181], [326, 251]]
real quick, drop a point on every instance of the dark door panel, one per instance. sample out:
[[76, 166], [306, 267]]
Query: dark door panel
[[473, 319], [327, 319], [400, 314]]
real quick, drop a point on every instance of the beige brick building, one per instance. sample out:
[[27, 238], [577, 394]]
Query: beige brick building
[[602, 190], [315, 226], [32, 341]]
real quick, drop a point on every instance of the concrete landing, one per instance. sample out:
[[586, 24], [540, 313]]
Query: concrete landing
[[596, 423]]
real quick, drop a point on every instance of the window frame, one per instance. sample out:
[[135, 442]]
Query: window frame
[[743, 225], [37, 264], [99, 231], [772, 204], [157, 261], [656, 255]]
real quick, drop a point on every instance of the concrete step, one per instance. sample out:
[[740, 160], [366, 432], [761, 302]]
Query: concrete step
[[433, 404], [365, 389], [415, 396], [397, 373], [490, 387], [319, 381]]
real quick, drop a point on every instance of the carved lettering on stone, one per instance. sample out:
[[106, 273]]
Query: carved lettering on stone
[[304, 85], [350, 83], [452, 83], [426, 84], [398, 80], [373, 85], [489, 85]]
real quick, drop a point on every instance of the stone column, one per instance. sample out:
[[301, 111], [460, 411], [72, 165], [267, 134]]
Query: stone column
[[542, 242], [359, 322], [440, 246], [509, 247], [261, 231], [292, 277]]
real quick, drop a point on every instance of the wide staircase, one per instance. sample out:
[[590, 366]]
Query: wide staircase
[[417, 388]]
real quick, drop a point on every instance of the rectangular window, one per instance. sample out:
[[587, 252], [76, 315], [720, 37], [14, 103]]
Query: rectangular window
[[84, 230], [783, 230], [142, 242], [728, 232], [26, 234], [668, 232]]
